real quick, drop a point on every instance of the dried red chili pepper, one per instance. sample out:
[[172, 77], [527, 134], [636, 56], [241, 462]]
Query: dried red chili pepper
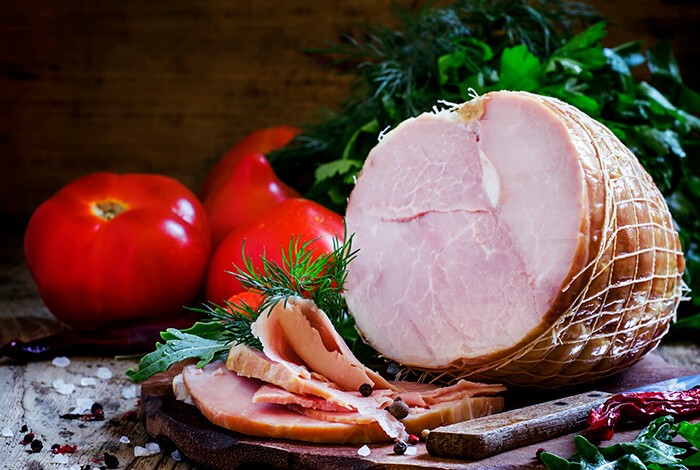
[[640, 406]]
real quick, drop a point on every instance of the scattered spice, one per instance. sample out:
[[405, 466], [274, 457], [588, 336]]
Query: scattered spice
[[640, 406], [366, 390], [61, 361], [364, 451], [62, 387], [131, 416], [96, 414], [24, 428], [36, 445], [27, 439], [413, 439], [64, 449], [111, 461], [103, 373], [424, 435], [400, 447], [538, 454], [398, 408]]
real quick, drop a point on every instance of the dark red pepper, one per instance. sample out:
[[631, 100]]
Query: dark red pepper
[[640, 406]]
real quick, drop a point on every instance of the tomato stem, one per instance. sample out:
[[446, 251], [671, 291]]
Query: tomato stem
[[108, 210]]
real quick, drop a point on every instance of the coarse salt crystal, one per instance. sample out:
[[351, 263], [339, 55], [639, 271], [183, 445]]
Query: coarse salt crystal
[[7, 432], [364, 451], [60, 458], [153, 447], [124, 440], [75, 466], [411, 451], [62, 387], [88, 381], [150, 449], [176, 455], [129, 392], [104, 373], [61, 361], [83, 405]]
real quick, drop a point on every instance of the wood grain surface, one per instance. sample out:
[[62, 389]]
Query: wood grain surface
[[166, 86]]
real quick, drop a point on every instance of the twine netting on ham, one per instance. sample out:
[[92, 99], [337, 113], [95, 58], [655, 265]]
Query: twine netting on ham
[[616, 308]]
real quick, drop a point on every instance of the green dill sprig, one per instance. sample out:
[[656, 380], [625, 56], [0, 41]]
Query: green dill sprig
[[302, 274]]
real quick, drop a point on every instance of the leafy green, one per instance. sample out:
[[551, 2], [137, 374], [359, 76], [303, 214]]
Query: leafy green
[[301, 273], [654, 448], [180, 345], [450, 53]]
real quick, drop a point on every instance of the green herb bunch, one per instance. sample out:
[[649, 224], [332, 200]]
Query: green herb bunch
[[477, 46], [653, 448], [300, 274]]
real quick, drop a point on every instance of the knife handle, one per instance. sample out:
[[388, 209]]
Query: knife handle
[[482, 437]]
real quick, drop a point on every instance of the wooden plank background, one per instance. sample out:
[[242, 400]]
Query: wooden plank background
[[165, 86]]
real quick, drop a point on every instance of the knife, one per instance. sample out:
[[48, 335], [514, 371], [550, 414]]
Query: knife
[[490, 435]]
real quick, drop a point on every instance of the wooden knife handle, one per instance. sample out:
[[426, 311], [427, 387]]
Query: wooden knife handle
[[482, 437]]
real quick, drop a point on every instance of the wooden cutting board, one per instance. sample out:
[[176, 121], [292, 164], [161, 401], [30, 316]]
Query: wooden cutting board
[[219, 448]]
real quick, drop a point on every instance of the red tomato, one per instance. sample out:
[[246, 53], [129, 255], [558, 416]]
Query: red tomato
[[251, 189], [110, 248], [268, 235], [251, 299], [260, 141]]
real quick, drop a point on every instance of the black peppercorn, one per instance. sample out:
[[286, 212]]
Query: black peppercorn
[[400, 448], [24, 428], [398, 408], [95, 407], [111, 461], [36, 445], [365, 390]]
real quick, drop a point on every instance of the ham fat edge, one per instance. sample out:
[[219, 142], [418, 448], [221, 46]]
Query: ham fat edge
[[511, 239], [276, 393]]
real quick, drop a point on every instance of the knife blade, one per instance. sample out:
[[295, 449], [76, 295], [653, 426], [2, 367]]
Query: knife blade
[[490, 435]]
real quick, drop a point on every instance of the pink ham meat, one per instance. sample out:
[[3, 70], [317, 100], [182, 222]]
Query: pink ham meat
[[298, 344], [226, 399], [511, 239], [297, 332]]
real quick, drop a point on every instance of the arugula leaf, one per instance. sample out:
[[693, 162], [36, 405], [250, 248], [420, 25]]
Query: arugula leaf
[[653, 448], [179, 346]]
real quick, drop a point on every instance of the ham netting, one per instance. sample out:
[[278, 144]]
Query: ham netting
[[619, 305]]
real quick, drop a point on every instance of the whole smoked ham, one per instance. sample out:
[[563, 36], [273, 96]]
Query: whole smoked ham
[[511, 239]]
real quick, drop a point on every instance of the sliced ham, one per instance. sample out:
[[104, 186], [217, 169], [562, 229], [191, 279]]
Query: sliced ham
[[418, 419], [512, 239], [296, 331], [248, 362], [279, 396], [226, 399]]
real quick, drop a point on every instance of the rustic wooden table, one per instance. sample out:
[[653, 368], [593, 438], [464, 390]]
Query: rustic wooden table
[[32, 394]]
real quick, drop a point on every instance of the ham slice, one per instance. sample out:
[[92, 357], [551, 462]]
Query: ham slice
[[511, 239], [226, 399], [418, 419], [298, 332]]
